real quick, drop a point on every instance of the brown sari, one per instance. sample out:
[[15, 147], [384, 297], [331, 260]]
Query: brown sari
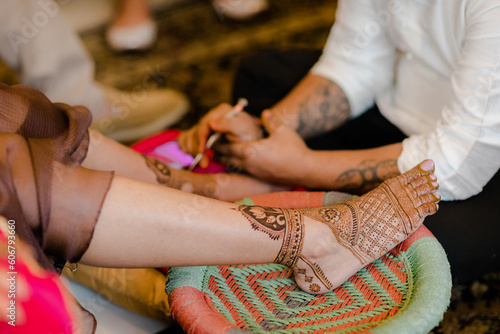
[[54, 202]]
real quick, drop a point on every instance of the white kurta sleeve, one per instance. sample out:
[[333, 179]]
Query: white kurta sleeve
[[465, 144], [359, 56]]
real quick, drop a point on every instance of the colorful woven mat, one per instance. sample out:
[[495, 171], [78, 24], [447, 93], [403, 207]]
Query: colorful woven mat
[[405, 291]]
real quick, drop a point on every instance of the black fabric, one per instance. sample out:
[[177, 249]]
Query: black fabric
[[469, 230], [265, 78]]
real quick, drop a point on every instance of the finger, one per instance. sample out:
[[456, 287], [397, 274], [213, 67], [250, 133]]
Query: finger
[[232, 163], [185, 141], [192, 142], [237, 129], [181, 140], [204, 162], [203, 133], [272, 123], [232, 150], [219, 111]]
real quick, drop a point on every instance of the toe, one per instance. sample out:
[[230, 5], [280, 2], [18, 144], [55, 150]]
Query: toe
[[427, 188], [429, 198], [421, 180], [426, 167], [428, 209]]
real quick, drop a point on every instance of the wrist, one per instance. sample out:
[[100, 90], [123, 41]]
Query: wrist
[[309, 172]]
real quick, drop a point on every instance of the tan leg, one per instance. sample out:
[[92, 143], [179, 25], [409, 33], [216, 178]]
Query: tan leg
[[106, 154]]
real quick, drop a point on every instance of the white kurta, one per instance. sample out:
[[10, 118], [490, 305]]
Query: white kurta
[[433, 68]]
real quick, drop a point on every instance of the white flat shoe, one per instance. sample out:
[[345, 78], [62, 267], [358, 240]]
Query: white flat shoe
[[130, 116], [134, 38], [239, 9]]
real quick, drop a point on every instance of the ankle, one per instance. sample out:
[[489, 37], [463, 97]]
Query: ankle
[[318, 241], [131, 13]]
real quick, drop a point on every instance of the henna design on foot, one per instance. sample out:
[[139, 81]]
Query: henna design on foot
[[316, 272], [367, 227], [363, 229], [278, 224]]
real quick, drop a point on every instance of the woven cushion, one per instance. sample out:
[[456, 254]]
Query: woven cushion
[[405, 291]]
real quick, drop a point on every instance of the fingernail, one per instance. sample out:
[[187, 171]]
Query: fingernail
[[433, 177], [427, 165], [435, 185]]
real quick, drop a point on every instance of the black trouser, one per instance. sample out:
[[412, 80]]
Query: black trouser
[[469, 230]]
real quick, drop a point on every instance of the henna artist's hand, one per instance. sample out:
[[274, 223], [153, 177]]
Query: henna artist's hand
[[280, 158], [241, 127]]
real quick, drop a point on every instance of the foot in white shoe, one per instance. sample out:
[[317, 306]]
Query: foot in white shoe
[[133, 116], [239, 9], [137, 37]]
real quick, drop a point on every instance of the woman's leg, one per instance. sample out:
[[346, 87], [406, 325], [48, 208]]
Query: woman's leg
[[106, 154], [143, 225]]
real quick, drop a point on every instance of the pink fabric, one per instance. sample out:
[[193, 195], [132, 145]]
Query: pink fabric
[[41, 301], [152, 146]]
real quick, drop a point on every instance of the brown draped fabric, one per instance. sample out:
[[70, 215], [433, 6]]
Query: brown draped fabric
[[53, 200]]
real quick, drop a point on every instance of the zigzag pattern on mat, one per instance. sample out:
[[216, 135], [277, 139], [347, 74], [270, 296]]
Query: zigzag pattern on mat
[[279, 306]]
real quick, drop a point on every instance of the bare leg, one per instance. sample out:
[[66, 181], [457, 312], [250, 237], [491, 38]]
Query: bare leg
[[106, 154], [143, 225]]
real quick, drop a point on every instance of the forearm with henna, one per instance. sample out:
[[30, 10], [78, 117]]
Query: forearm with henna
[[316, 105]]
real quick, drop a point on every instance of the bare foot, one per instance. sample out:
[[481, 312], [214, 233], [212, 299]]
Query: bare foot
[[342, 239], [365, 228]]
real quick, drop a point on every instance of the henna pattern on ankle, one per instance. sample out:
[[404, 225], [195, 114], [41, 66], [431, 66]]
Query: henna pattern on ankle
[[163, 173], [278, 224]]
